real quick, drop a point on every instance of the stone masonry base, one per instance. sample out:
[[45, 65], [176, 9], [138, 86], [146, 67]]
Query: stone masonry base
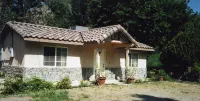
[[55, 74]]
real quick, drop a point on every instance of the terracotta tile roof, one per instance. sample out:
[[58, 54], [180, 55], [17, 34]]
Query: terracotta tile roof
[[27, 30], [141, 45], [100, 34]]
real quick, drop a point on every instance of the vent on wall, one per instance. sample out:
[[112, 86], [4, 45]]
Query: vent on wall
[[11, 52], [79, 28], [1, 55]]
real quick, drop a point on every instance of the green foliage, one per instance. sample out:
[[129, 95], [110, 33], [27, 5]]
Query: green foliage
[[2, 74], [13, 85], [138, 81], [154, 75], [194, 75], [165, 75], [85, 83], [62, 13], [36, 84], [16, 85], [64, 84], [183, 49], [150, 19], [153, 61], [51, 95]]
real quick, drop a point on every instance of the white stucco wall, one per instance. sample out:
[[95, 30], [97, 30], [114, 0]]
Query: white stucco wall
[[78, 56], [142, 61], [18, 49], [35, 50]]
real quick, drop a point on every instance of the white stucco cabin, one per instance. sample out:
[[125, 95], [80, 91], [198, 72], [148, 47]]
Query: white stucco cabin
[[53, 53]]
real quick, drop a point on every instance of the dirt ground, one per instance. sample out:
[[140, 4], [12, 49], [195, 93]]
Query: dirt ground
[[152, 91], [155, 91]]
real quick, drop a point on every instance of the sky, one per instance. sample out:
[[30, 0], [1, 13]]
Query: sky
[[195, 5]]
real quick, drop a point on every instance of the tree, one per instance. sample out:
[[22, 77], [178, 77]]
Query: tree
[[62, 13], [185, 46], [146, 20]]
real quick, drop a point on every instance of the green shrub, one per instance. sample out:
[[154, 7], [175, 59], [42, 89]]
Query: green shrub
[[16, 85], [13, 85], [154, 62], [36, 84], [64, 84], [138, 81], [2, 74], [154, 75], [194, 75], [165, 75], [84, 83]]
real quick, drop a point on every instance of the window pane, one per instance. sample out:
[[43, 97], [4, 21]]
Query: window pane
[[58, 63], [58, 58], [133, 60], [49, 63], [61, 56], [49, 56], [63, 63]]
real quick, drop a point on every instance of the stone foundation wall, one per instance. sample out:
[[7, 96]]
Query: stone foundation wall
[[55, 74], [141, 73], [115, 73], [12, 71]]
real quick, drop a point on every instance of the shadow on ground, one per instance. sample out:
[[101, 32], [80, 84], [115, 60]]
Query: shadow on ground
[[141, 97]]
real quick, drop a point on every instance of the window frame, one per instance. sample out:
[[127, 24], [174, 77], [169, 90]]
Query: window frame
[[56, 47], [130, 60]]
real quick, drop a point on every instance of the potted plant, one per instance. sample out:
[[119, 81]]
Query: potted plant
[[130, 75], [101, 77], [161, 74], [160, 78]]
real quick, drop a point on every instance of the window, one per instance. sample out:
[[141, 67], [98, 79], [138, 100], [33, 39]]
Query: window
[[55, 56], [133, 60]]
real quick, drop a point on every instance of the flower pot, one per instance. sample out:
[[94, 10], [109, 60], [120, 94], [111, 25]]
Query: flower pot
[[161, 78], [101, 80], [130, 80]]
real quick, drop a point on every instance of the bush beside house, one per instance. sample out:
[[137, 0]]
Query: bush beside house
[[18, 85]]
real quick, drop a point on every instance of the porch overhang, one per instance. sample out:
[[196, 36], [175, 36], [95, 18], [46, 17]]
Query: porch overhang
[[142, 49]]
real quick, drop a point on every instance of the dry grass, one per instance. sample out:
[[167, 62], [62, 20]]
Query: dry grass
[[163, 91], [154, 91]]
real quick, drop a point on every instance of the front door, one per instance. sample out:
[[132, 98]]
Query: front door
[[99, 60]]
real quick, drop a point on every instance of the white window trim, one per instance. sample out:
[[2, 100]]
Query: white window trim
[[55, 55], [129, 59]]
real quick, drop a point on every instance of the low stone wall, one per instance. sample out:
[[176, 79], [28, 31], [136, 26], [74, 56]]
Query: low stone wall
[[55, 74], [141, 73], [12, 71], [115, 73]]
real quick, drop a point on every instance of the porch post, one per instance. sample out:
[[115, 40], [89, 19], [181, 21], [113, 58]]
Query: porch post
[[127, 62], [127, 57]]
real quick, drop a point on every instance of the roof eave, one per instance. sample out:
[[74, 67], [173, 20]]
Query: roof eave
[[53, 41], [142, 49]]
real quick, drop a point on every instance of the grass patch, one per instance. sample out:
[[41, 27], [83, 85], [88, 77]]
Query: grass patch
[[50, 95], [44, 95]]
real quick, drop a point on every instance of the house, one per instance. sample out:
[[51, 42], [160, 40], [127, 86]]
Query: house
[[53, 53]]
